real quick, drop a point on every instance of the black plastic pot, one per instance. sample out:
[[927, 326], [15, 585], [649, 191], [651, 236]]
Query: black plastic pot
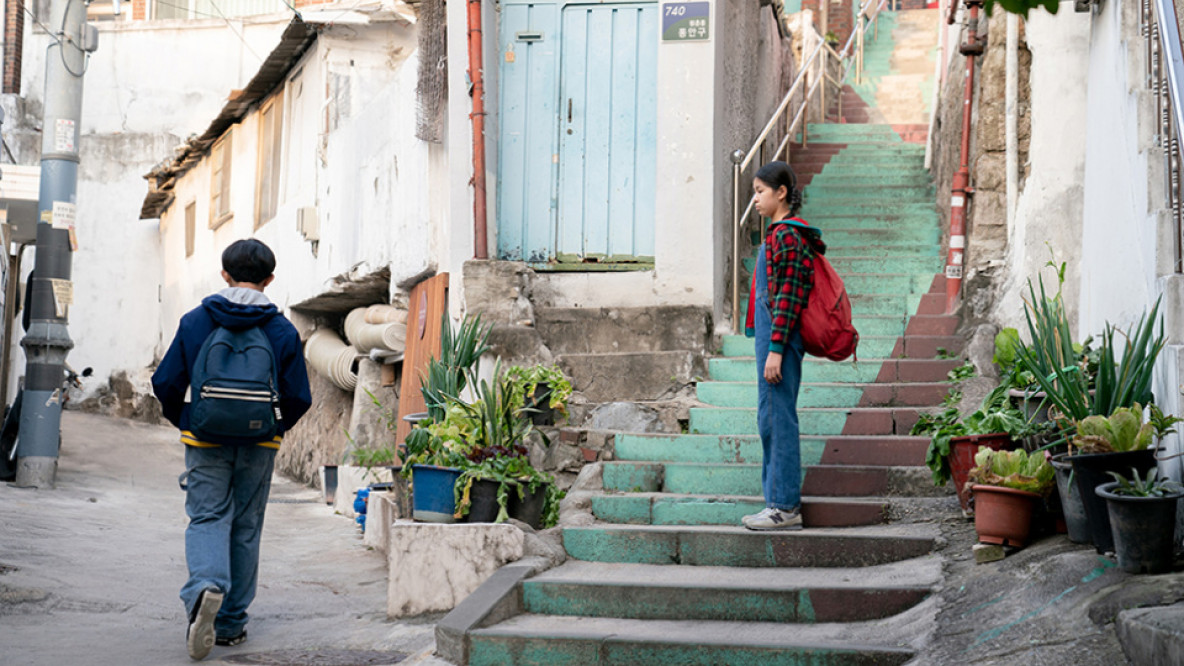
[[482, 502], [528, 508], [1144, 529], [1089, 471], [540, 403], [1071, 504]]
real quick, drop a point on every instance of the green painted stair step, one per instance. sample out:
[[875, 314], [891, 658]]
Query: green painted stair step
[[806, 596], [837, 195], [843, 449], [870, 346], [738, 547], [670, 509], [741, 420], [813, 371], [548, 640], [744, 394]]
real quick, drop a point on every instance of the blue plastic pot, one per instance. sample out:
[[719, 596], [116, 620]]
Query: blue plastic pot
[[433, 498]]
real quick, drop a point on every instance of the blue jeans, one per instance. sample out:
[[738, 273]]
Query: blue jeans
[[777, 407], [227, 495]]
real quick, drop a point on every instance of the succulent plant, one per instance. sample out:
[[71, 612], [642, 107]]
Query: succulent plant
[[1124, 430]]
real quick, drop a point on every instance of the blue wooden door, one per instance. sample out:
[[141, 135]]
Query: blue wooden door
[[607, 133], [578, 107], [529, 126]]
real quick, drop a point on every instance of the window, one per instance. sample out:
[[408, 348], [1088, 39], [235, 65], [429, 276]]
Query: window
[[267, 184], [207, 9], [190, 227], [220, 158]]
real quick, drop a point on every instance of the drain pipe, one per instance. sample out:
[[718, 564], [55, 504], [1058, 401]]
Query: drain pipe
[[961, 185], [477, 79]]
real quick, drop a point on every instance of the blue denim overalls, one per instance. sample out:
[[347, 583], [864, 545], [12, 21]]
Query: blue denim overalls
[[777, 405]]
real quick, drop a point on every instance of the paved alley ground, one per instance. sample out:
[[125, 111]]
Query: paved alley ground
[[89, 572]]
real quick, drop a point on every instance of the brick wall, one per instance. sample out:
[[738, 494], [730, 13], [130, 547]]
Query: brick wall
[[139, 10], [14, 32]]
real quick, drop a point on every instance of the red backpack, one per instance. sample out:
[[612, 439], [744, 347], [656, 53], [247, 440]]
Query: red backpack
[[827, 331]]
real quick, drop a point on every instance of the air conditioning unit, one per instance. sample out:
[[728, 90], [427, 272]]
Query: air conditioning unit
[[307, 223]]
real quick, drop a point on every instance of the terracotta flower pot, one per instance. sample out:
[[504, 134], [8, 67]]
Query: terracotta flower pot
[[1003, 515], [962, 451]]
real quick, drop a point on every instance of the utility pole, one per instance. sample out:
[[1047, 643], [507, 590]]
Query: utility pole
[[48, 341]]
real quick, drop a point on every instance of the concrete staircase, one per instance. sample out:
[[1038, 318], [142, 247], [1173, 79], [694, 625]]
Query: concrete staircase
[[664, 574]]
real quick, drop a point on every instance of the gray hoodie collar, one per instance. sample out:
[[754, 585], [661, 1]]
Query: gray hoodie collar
[[244, 296]]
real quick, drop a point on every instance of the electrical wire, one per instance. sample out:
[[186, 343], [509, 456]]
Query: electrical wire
[[236, 32], [188, 9], [62, 54]]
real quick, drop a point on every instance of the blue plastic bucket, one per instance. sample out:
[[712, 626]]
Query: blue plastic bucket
[[432, 498]]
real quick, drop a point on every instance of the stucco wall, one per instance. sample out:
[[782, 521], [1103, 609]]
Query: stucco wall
[[136, 106]]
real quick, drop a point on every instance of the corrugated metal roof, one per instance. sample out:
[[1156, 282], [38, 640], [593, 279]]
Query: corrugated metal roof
[[297, 38]]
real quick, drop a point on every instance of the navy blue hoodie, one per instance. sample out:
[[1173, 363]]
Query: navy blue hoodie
[[248, 308]]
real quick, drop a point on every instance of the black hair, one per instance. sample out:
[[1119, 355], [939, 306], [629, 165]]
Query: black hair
[[248, 260], [777, 175]]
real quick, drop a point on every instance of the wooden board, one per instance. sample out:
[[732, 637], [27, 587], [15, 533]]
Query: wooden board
[[429, 301]]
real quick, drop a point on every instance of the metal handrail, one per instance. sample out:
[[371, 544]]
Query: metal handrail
[[1165, 69], [850, 57]]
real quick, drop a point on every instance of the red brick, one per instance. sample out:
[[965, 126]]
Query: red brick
[[840, 481], [862, 421], [824, 512], [875, 450], [932, 325]]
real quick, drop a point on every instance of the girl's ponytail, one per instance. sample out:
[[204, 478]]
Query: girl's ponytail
[[777, 175]]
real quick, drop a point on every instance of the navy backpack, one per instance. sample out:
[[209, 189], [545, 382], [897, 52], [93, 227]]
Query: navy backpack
[[234, 390]]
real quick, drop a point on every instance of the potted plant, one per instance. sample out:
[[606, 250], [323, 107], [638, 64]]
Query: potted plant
[[955, 440], [541, 389], [1112, 444], [1006, 487], [1142, 512], [499, 455]]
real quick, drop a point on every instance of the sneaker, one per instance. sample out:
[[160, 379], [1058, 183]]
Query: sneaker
[[760, 515], [775, 519], [200, 636], [231, 641]]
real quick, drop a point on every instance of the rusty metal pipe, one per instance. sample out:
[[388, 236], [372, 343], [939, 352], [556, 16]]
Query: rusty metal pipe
[[961, 183], [477, 77]]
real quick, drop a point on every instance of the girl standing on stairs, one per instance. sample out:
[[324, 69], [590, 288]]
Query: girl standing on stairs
[[781, 287]]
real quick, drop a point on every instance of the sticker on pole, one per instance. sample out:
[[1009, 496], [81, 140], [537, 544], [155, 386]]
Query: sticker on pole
[[953, 272], [63, 295], [63, 135], [63, 214], [686, 21]]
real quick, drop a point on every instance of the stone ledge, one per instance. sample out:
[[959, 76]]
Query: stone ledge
[[498, 599], [433, 567], [1152, 636]]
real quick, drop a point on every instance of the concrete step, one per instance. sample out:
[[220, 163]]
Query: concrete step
[[811, 421], [837, 176], [744, 370], [546, 640], [805, 596], [637, 376], [883, 450], [600, 330], [860, 276], [670, 509], [868, 208], [864, 192], [741, 479], [853, 236], [744, 394], [863, 305], [872, 346], [739, 547]]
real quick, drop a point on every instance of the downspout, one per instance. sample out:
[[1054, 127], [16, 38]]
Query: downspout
[[1011, 97], [961, 185], [477, 78]]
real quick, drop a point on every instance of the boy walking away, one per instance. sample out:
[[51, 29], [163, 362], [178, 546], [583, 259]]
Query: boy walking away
[[240, 361]]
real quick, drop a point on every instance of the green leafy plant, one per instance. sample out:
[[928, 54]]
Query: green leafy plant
[[995, 415], [524, 381], [460, 355], [964, 371], [1013, 469], [1144, 486], [1124, 430]]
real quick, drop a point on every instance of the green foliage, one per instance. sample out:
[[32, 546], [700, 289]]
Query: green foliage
[[996, 414], [1013, 469], [1021, 7], [1006, 342], [524, 381], [1124, 430], [1144, 486], [964, 371], [460, 355]]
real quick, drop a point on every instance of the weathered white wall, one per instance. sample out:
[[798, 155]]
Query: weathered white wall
[[1119, 230], [1051, 200], [148, 85], [369, 182]]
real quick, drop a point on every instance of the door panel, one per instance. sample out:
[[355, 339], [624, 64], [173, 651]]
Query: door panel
[[607, 133]]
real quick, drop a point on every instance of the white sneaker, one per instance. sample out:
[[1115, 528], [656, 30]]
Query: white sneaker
[[200, 636], [775, 519], [762, 514]]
